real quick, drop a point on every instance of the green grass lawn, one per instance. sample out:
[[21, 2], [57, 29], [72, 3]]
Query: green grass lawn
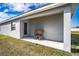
[[75, 32], [15, 47], [75, 43]]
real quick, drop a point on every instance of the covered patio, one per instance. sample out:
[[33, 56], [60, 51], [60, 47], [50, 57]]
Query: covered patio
[[53, 30], [56, 25], [51, 24]]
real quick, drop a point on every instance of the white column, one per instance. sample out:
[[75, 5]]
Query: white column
[[67, 29]]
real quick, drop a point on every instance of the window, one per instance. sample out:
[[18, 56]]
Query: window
[[13, 26]]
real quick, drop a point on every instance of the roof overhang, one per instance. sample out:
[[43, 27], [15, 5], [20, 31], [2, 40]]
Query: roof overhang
[[51, 6], [73, 7], [41, 9]]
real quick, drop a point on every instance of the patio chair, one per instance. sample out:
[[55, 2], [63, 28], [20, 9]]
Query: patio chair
[[38, 34]]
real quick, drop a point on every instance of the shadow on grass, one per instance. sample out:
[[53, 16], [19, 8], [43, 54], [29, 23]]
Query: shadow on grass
[[75, 39], [75, 43], [75, 50]]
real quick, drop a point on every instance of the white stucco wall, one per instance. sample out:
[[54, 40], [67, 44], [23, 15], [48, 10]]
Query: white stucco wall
[[52, 25], [67, 29], [6, 29]]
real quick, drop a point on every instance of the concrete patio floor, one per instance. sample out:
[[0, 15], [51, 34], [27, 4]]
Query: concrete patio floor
[[52, 44]]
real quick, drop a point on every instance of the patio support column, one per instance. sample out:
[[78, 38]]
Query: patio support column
[[67, 29]]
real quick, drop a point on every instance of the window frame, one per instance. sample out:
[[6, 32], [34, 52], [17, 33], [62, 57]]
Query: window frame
[[13, 26]]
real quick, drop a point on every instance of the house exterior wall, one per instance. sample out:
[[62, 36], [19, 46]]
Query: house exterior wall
[[6, 29], [57, 27], [52, 25]]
